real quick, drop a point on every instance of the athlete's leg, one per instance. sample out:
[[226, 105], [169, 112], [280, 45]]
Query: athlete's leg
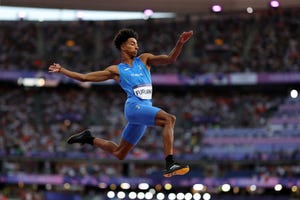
[[85, 137], [167, 122], [120, 151], [150, 115], [131, 134], [123, 149]]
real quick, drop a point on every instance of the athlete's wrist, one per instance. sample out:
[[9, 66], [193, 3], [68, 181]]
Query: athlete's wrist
[[59, 69]]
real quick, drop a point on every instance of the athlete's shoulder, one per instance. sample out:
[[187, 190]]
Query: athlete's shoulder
[[145, 55]]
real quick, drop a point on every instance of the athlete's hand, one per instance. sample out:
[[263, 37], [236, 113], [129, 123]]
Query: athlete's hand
[[185, 36], [55, 68]]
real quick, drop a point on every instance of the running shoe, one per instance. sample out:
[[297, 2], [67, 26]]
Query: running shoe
[[81, 137], [176, 169]]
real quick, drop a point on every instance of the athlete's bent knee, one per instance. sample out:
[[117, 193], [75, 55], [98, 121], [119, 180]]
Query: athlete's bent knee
[[120, 156], [171, 119]]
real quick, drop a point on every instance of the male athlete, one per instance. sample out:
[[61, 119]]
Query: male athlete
[[133, 75]]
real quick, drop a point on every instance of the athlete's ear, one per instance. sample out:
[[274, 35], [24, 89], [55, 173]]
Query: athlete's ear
[[123, 46]]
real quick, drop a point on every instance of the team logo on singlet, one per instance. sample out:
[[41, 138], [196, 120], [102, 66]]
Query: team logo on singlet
[[143, 91]]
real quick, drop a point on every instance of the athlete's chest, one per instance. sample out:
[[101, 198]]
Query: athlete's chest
[[136, 70]]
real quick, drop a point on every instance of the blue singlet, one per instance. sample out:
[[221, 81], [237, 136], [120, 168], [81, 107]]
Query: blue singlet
[[136, 81]]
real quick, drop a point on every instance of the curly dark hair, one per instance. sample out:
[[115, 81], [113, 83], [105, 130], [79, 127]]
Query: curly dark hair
[[123, 35]]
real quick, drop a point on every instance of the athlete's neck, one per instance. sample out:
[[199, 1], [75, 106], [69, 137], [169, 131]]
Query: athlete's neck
[[128, 61]]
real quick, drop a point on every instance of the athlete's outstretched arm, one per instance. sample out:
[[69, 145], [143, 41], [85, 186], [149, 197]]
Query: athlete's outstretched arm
[[172, 57], [97, 76]]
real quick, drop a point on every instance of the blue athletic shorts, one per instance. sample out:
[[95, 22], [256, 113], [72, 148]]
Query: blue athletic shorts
[[139, 116]]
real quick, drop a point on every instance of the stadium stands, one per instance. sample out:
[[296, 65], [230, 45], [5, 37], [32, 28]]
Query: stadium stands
[[227, 133]]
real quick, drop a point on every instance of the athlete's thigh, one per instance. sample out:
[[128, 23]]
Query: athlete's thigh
[[132, 133], [141, 114]]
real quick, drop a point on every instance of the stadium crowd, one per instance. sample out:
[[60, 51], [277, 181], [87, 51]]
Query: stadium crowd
[[265, 42], [40, 119], [35, 122]]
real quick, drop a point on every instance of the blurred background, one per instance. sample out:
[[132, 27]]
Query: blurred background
[[234, 90]]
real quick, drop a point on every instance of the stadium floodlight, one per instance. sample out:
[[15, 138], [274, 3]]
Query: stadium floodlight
[[294, 93], [206, 196], [110, 194], [225, 187], [148, 12], [188, 196], [148, 195], [121, 195], [172, 196], [278, 187], [143, 186], [180, 196], [141, 195], [253, 188], [198, 187], [168, 186], [125, 186], [31, 82], [132, 195], [160, 196], [216, 8], [197, 196], [249, 10], [274, 4]]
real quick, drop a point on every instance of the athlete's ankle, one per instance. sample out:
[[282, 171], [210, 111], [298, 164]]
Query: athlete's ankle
[[90, 140], [169, 160]]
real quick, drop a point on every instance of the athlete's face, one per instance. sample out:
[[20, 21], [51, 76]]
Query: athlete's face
[[130, 47]]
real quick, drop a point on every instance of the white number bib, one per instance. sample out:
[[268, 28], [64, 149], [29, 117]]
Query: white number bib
[[143, 91]]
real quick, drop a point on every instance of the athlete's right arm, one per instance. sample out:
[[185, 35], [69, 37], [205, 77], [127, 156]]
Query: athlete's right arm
[[110, 72]]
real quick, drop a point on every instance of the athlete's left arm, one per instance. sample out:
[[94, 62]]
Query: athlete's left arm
[[151, 59]]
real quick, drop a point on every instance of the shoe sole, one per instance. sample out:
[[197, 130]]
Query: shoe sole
[[181, 171]]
